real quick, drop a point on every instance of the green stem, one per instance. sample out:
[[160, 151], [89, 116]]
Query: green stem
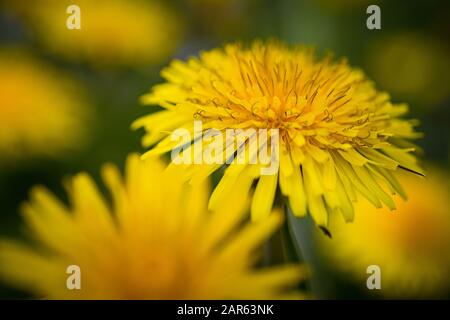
[[302, 232]]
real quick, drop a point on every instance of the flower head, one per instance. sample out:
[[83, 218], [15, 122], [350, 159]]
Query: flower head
[[411, 246], [112, 32], [41, 111], [338, 136], [158, 241], [412, 65]]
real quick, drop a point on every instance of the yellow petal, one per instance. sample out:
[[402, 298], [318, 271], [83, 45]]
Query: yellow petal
[[316, 207], [263, 198], [225, 185], [311, 171], [297, 198], [378, 158], [353, 157], [329, 174], [406, 160], [373, 186]]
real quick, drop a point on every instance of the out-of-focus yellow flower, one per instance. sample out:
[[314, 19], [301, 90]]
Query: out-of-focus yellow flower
[[41, 110], [113, 32], [411, 66], [338, 135], [157, 242], [411, 246]]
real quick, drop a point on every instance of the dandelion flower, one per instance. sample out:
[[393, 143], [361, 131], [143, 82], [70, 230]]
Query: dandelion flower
[[411, 246], [339, 137], [412, 65], [112, 32], [41, 111], [158, 241]]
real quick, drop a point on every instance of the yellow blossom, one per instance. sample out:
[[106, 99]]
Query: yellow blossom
[[410, 245], [156, 241], [112, 32], [339, 137], [412, 65], [41, 111]]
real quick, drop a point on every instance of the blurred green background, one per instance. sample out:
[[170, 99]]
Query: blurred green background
[[408, 57]]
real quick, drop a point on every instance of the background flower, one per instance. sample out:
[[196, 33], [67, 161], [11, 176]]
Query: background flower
[[413, 66], [158, 242], [410, 245], [113, 32], [42, 111]]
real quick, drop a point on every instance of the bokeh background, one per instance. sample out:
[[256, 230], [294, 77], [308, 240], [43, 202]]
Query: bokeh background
[[96, 78]]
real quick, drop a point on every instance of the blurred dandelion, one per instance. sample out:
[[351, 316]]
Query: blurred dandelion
[[411, 66], [157, 242], [339, 136], [113, 32], [411, 245], [42, 112]]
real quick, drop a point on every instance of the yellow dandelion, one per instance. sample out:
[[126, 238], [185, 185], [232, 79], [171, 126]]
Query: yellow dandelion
[[412, 65], [41, 110], [338, 136], [411, 246], [112, 32], [158, 241]]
